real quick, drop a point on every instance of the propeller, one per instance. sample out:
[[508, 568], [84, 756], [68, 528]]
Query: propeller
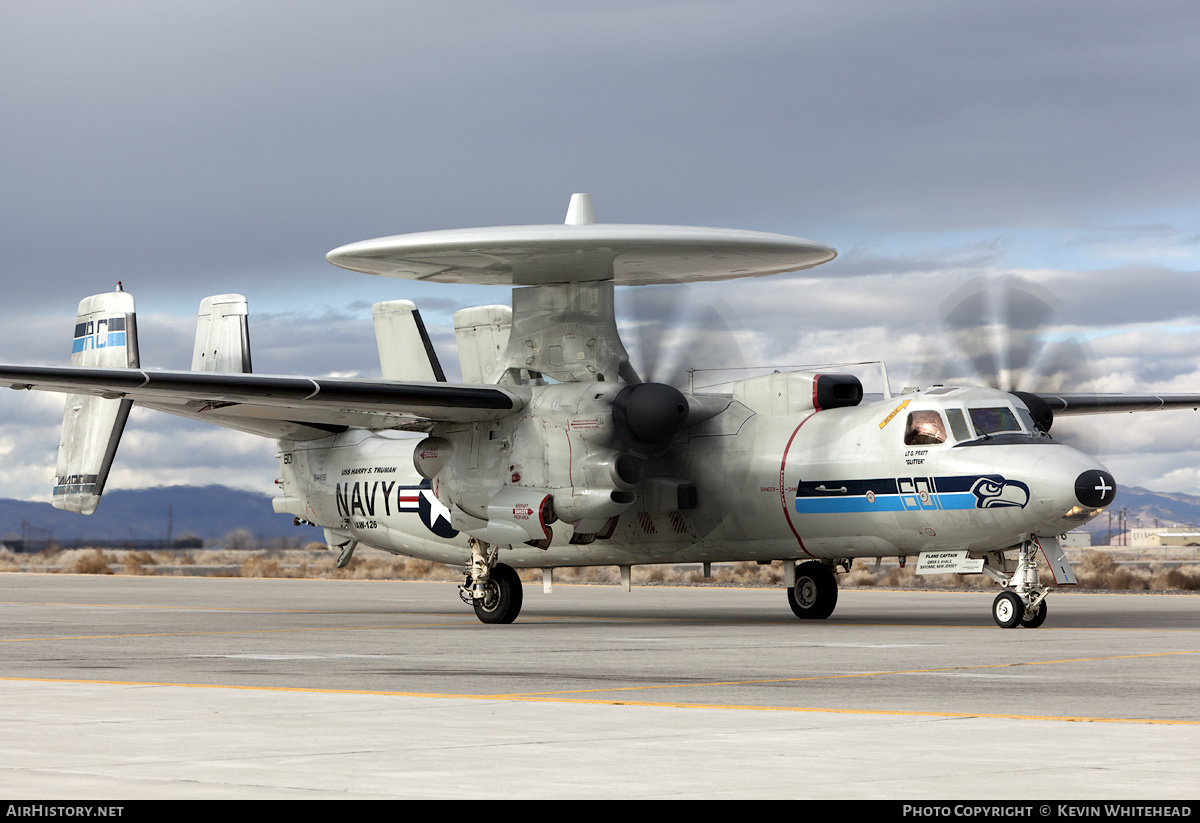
[[668, 330], [1000, 332], [665, 334]]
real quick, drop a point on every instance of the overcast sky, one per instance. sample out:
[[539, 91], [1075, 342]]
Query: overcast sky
[[195, 148]]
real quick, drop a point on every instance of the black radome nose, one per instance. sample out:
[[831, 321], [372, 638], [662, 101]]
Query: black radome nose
[[1095, 489]]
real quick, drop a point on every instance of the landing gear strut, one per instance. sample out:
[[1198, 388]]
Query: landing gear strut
[[494, 589], [1023, 603], [815, 594]]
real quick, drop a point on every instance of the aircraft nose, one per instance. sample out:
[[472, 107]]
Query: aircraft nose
[[1095, 489], [1073, 488]]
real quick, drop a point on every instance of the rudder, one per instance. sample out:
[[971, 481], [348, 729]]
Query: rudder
[[105, 337]]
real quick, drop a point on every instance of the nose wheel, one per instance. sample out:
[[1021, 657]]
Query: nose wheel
[[1007, 610], [1023, 603], [1037, 618]]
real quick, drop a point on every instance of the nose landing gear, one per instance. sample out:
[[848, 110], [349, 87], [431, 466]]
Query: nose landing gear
[[1023, 603]]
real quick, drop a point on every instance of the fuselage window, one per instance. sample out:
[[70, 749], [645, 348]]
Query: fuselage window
[[994, 420], [925, 428]]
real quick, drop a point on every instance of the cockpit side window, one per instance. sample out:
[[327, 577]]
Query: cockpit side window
[[924, 428], [958, 425], [1030, 425], [994, 420]]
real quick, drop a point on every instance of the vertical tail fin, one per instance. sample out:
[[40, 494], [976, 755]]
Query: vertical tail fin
[[482, 334], [105, 337], [405, 350], [223, 335]]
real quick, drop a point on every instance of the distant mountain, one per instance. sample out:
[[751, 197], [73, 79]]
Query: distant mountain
[[1147, 509], [208, 512]]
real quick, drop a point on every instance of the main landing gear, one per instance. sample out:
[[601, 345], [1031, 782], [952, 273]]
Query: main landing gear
[[494, 589], [814, 595], [1023, 602]]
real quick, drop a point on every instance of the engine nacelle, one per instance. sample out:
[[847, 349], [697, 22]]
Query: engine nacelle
[[576, 452], [786, 393], [588, 510], [431, 455], [518, 515]]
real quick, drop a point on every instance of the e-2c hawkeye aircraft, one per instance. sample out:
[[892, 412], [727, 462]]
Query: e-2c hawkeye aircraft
[[553, 452]]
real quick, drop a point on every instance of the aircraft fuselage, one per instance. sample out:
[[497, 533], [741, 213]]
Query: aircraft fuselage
[[835, 483]]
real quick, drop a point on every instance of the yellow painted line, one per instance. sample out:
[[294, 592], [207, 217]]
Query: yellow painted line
[[641, 703], [852, 675]]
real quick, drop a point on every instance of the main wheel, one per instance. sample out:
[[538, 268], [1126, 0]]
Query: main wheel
[[1038, 618], [1007, 610], [815, 594], [501, 602]]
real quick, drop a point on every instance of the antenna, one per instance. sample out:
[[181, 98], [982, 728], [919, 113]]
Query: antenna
[[580, 212]]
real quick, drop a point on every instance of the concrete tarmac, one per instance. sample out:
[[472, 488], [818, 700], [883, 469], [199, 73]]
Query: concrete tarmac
[[158, 687]]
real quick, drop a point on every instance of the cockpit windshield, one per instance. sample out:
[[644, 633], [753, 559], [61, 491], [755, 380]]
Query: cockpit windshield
[[994, 420]]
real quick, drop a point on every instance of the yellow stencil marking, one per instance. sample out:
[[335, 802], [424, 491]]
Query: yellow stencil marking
[[895, 412]]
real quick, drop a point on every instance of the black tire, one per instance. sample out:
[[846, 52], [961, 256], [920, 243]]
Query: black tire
[[1038, 618], [814, 596], [1007, 610], [501, 602]]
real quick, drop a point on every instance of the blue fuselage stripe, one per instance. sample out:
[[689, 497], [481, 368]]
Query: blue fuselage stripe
[[908, 494], [884, 503]]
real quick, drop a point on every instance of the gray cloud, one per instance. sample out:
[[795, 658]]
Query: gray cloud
[[226, 147], [195, 140]]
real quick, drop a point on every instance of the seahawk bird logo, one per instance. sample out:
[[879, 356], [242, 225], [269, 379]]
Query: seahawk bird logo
[[997, 493]]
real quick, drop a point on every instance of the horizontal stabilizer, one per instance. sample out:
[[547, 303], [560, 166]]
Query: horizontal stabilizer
[[105, 337]]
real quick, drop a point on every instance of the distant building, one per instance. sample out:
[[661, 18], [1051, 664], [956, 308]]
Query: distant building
[[1166, 536], [1077, 540]]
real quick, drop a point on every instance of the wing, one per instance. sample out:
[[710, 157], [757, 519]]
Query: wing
[[299, 408], [1071, 404]]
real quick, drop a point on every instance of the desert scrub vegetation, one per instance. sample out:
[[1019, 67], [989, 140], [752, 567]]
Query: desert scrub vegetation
[[87, 561], [8, 561], [1096, 570], [1099, 571], [725, 574], [321, 565]]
